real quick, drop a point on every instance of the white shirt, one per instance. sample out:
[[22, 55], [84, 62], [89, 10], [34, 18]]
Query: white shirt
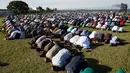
[[93, 35], [114, 40], [84, 42], [74, 39], [120, 29], [74, 30], [99, 25], [104, 26], [60, 59], [115, 28]]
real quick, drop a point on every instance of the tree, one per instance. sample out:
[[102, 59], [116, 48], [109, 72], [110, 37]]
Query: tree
[[49, 9], [55, 9], [18, 7], [40, 9]]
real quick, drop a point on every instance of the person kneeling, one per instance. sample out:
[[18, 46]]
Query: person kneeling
[[114, 41], [60, 59], [15, 35]]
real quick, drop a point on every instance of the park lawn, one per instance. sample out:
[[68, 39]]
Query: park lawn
[[17, 57]]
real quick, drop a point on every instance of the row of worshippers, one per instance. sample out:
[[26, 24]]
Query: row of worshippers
[[26, 26], [17, 32], [85, 38], [113, 22], [60, 57]]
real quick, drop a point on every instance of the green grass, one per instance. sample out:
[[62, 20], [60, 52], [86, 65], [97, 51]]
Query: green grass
[[19, 58]]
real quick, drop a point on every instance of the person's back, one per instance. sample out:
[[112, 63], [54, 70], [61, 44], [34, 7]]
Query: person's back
[[60, 59], [40, 39], [70, 29], [53, 51], [120, 71], [68, 36], [71, 66], [43, 43], [84, 42], [16, 34], [87, 70], [93, 35], [74, 39], [48, 46]]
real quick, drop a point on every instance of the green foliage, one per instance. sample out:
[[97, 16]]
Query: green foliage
[[41, 10], [18, 7]]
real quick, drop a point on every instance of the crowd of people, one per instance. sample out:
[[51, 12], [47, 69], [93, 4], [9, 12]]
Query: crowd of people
[[60, 57], [25, 26], [112, 22], [42, 28]]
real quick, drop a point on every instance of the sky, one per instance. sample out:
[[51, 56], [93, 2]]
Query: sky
[[69, 4]]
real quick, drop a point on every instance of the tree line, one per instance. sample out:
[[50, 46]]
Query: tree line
[[21, 7]]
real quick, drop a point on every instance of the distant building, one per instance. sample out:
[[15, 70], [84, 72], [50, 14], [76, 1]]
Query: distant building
[[123, 7]]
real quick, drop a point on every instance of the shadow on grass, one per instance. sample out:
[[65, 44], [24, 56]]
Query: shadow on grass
[[125, 31], [123, 42], [3, 64], [97, 67], [96, 45]]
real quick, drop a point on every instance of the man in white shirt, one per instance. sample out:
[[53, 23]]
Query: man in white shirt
[[115, 28], [93, 35], [74, 39], [99, 25], [114, 41], [120, 29], [84, 42], [60, 59]]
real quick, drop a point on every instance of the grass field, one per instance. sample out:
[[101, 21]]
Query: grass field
[[17, 57]]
